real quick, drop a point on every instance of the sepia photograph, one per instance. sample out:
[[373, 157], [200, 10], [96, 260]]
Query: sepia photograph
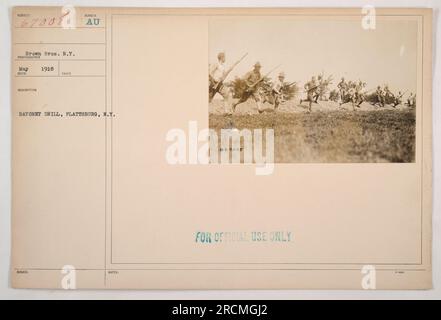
[[333, 90]]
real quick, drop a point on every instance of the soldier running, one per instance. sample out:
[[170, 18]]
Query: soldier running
[[342, 86], [310, 88], [318, 91], [252, 80], [388, 95], [352, 95], [322, 88], [398, 99], [411, 100], [359, 95], [278, 90], [217, 74], [380, 96]]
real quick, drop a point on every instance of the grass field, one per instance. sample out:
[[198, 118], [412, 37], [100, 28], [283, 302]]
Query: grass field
[[333, 136]]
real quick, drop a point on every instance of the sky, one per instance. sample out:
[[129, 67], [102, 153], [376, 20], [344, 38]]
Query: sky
[[308, 46]]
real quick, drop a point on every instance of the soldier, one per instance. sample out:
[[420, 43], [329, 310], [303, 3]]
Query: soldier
[[323, 88], [217, 74], [278, 90], [318, 91], [313, 82], [361, 85], [380, 96], [388, 95], [252, 80], [352, 96], [411, 100], [342, 90], [310, 88], [414, 100], [408, 102], [398, 99], [313, 85], [359, 94], [341, 84]]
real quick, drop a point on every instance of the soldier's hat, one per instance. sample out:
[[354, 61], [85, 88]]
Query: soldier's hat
[[282, 74], [257, 64]]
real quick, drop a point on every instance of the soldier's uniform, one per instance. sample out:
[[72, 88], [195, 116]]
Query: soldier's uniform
[[380, 96], [216, 76], [310, 88], [414, 100], [342, 84], [359, 96], [321, 89], [342, 90], [251, 79], [411, 100], [277, 90], [217, 71], [388, 95], [313, 83], [398, 99], [352, 93]]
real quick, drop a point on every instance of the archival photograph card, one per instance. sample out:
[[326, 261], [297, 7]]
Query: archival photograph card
[[218, 148]]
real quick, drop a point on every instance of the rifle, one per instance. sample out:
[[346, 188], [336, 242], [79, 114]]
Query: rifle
[[310, 89], [284, 87], [402, 94], [261, 78], [290, 84], [219, 84]]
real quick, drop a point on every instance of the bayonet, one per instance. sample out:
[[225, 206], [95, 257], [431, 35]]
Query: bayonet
[[261, 78]]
